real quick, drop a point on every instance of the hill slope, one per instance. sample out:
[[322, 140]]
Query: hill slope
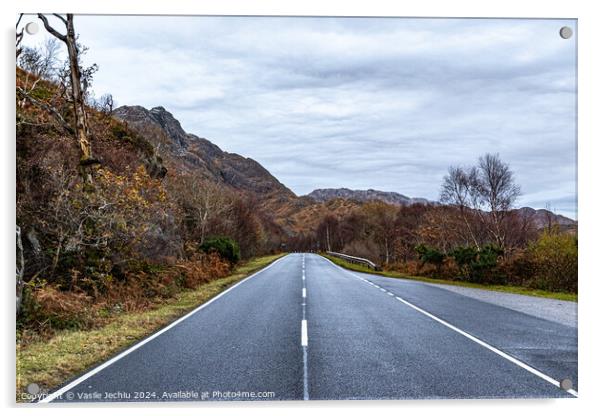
[[187, 152]]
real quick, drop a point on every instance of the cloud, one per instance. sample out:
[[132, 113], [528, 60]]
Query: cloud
[[359, 103]]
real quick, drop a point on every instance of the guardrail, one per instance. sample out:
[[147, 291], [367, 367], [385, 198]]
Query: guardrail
[[353, 259]]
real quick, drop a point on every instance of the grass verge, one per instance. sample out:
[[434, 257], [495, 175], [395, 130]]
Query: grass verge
[[50, 363], [519, 290]]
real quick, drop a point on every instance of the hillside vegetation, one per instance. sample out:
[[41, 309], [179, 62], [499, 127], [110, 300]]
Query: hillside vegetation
[[454, 242], [131, 237]]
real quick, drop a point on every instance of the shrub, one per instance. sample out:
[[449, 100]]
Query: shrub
[[47, 308], [478, 266], [202, 270], [464, 257], [483, 269], [519, 269], [224, 246], [430, 255], [555, 258]]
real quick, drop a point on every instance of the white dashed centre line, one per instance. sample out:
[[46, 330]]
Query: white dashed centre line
[[304, 336]]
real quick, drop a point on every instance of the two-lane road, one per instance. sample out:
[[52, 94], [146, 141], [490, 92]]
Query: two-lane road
[[304, 328]]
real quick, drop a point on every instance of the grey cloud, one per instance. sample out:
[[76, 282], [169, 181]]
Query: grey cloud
[[381, 103]]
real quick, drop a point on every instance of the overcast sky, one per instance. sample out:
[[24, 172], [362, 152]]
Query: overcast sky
[[387, 104]]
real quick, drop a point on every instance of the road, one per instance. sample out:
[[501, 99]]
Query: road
[[304, 328]]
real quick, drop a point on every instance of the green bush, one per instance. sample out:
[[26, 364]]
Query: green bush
[[555, 258], [484, 268], [464, 257], [226, 247], [478, 265], [430, 255]]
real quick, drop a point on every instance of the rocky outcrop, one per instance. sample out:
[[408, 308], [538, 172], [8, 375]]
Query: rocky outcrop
[[188, 152]]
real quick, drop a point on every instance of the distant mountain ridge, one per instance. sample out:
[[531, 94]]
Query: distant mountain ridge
[[543, 218], [186, 152], [393, 198]]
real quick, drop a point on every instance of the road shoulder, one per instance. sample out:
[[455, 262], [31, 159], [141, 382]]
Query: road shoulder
[[559, 311]]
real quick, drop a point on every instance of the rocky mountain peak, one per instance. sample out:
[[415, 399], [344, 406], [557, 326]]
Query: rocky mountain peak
[[188, 152], [169, 123]]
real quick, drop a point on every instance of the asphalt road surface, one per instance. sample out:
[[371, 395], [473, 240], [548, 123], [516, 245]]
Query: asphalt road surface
[[305, 329]]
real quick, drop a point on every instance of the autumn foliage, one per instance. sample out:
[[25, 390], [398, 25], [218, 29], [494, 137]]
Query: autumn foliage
[[128, 239], [434, 240]]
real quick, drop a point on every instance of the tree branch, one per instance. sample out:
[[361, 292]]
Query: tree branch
[[60, 17], [46, 107], [50, 29]]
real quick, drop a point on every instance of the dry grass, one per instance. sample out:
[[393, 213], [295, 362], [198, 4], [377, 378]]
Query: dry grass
[[50, 363]]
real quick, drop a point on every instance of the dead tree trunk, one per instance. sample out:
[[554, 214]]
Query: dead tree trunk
[[77, 95], [19, 270]]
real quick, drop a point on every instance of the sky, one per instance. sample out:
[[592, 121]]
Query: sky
[[381, 103]]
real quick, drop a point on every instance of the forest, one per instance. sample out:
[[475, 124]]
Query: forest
[[473, 234]]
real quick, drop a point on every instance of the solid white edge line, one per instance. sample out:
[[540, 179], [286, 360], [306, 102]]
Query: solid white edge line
[[304, 333], [474, 339], [133, 348], [488, 346]]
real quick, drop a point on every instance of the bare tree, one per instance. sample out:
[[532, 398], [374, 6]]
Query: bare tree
[[327, 232], [77, 93], [204, 203], [487, 190], [382, 227], [497, 191], [549, 216], [105, 104], [39, 63], [456, 190]]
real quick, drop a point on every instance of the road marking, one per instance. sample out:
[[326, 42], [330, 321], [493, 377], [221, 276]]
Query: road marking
[[488, 346], [304, 347], [133, 348], [304, 337], [482, 343], [304, 333]]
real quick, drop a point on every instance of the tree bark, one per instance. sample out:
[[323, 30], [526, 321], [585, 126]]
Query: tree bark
[[79, 109], [19, 270]]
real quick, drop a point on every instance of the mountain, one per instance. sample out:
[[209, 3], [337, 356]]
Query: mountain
[[189, 153], [543, 218], [186, 152], [393, 198]]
